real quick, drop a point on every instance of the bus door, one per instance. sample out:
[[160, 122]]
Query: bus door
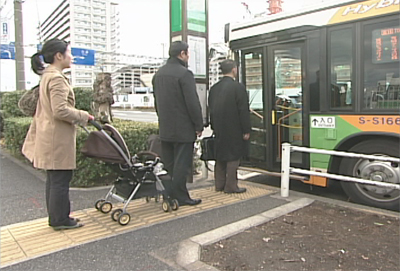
[[285, 66], [252, 77]]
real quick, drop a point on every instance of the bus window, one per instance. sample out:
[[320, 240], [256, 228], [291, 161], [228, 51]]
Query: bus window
[[288, 98], [341, 68], [254, 85], [381, 66]]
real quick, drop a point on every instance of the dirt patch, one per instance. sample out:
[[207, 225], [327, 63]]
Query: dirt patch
[[318, 237]]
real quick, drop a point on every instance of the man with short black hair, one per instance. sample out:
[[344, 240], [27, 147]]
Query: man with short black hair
[[230, 121], [179, 117]]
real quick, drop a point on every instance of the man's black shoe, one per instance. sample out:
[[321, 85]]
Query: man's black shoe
[[239, 190], [190, 202]]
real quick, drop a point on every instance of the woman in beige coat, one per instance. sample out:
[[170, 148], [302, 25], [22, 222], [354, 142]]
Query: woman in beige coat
[[51, 140]]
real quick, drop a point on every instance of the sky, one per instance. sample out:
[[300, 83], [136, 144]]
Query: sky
[[144, 24]]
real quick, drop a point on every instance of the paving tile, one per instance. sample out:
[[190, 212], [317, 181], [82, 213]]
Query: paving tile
[[11, 249], [6, 237]]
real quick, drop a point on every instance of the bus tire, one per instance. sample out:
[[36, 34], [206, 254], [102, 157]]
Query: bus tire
[[380, 197]]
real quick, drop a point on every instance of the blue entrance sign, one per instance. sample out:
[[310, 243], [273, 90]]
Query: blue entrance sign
[[7, 51], [83, 56]]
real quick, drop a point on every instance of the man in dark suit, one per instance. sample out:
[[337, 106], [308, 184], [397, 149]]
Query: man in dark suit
[[230, 120], [179, 117]]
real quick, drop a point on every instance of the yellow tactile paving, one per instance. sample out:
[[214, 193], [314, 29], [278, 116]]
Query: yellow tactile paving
[[30, 239]]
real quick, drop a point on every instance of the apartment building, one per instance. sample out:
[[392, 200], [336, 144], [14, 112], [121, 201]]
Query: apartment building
[[89, 24], [218, 53]]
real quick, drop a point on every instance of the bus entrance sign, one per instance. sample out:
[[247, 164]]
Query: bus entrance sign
[[323, 122]]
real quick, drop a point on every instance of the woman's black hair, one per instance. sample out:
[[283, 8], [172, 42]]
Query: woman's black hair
[[49, 50]]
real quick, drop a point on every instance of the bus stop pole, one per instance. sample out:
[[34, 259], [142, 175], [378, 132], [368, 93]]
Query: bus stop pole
[[285, 170]]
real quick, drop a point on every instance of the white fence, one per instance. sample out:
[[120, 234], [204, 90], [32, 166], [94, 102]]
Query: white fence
[[286, 169]]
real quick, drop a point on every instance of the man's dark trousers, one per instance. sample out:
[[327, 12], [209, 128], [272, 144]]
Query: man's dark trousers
[[178, 160], [226, 175]]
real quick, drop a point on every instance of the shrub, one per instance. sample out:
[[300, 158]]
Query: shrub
[[9, 103], [84, 99], [1, 123], [15, 130], [89, 171]]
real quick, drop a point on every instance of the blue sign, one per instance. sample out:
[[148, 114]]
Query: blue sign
[[7, 51], [83, 56]]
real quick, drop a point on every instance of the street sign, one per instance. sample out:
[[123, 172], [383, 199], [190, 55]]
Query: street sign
[[323, 122], [83, 56], [7, 51]]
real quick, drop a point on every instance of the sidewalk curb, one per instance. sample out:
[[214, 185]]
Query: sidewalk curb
[[189, 252]]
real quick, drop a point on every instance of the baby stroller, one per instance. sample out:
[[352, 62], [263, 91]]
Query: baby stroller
[[139, 176]]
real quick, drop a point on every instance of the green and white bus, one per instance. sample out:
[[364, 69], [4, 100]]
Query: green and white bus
[[328, 78]]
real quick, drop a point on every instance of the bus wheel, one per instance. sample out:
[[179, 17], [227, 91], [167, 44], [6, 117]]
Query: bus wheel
[[372, 195]]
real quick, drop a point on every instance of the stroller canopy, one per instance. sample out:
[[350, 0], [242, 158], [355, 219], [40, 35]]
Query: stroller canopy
[[100, 146]]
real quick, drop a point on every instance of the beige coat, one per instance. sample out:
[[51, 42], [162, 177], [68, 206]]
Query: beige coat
[[51, 140]]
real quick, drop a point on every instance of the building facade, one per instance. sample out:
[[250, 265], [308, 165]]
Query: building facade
[[218, 53], [88, 24], [132, 77]]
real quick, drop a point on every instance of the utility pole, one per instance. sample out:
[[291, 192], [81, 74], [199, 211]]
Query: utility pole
[[19, 46]]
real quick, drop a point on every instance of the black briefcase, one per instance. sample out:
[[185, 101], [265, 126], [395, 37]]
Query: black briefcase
[[207, 145]]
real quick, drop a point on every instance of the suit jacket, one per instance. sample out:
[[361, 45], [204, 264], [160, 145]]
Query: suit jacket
[[230, 118], [51, 140]]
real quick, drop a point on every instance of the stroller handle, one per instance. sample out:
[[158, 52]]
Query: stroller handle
[[96, 124]]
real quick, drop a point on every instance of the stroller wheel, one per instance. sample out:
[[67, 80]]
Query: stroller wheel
[[115, 214], [166, 206], [124, 219], [105, 207], [174, 205], [98, 203]]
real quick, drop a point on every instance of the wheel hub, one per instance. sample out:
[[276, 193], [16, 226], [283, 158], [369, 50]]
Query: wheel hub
[[378, 171]]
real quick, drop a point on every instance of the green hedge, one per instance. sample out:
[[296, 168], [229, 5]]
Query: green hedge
[[84, 99], [9, 101], [89, 171], [9, 104]]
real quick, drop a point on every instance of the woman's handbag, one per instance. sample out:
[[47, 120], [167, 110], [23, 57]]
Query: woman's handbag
[[27, 103], [208, 148]]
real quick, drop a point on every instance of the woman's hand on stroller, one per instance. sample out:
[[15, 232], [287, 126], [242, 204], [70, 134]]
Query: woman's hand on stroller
[[95, 124]]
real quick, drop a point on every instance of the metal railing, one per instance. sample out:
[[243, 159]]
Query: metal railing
[[286, 170]]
